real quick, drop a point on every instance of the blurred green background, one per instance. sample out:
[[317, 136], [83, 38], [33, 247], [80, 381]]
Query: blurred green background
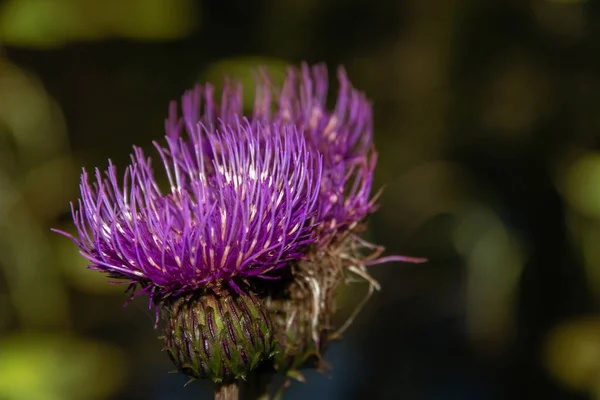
[[487, 123]]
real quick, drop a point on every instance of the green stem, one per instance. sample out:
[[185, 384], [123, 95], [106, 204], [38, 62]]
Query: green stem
[[227, 391]]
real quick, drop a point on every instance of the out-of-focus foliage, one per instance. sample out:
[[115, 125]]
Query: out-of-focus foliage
[[35, 164], [244, 70], [572, 352], [50, 23], [494, 261], [53, 367], [582, 185], [486, 123]]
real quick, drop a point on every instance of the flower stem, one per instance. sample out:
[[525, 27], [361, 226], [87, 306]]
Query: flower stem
[[227, 391]]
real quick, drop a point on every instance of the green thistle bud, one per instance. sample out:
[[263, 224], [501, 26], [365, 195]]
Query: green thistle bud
[[299, 343], [303, 314], [221, 337]]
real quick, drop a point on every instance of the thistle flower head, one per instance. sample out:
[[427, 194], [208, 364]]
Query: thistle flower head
[[221, 337], [343, 135], [289, 186], [241, 203]]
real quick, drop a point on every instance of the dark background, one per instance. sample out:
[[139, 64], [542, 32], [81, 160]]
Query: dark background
[[486, 122]]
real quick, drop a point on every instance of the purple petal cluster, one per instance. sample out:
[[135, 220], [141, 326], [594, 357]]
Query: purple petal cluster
[[242, 202], [241, 194], [246, 196], [342, 135]]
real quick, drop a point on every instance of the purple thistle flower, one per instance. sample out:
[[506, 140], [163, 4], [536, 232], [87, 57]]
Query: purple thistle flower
[[242, 203], [290, 186], [343, 135]]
